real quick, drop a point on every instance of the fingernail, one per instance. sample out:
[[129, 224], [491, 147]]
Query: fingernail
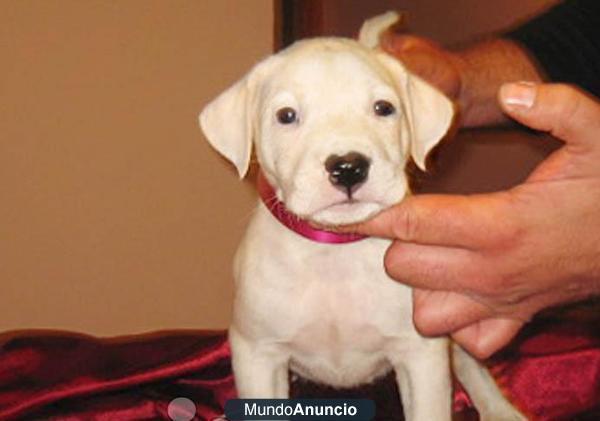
[[518, 94]]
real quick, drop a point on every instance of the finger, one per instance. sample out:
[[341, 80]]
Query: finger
[[565, 111], [485, 337], [461, 221], [399, 44], [443, 312], [432, 267], [426, 59], [417, 54]]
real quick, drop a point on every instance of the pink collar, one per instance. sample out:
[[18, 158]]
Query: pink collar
[[293, 222]]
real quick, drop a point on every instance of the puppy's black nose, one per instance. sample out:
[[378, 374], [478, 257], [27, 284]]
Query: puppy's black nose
[[348, 172]]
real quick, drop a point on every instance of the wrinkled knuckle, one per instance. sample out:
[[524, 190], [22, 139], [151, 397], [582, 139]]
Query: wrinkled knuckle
[[503, 288], [511, 234], [449, 323], [511, 298], [570, 105], [507, 232], [500, 289], [486, 278], [406, 224], [491, 286], [513, 291]]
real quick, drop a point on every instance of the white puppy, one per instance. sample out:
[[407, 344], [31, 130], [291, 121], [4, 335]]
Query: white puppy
[[333, 122]]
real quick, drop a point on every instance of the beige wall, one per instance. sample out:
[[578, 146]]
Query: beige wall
[[115, 215]]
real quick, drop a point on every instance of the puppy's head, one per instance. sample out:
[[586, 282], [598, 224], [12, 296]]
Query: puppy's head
[[333, 123]]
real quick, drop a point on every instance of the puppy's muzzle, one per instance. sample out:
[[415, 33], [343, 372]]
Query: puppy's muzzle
[[348, 172]]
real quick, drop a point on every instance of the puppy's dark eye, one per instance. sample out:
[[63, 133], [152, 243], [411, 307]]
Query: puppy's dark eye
[[383, 108], [286, 115]]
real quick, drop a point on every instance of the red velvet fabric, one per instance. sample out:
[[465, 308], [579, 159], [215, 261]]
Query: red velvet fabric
[[552, 372]]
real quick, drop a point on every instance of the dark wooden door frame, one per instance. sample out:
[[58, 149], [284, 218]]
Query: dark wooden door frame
[[296, 19]]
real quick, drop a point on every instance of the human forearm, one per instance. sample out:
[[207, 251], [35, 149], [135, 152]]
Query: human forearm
[[471, 76], [483, 68]]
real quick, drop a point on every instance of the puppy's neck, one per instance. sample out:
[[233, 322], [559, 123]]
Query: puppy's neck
[[294, 222]]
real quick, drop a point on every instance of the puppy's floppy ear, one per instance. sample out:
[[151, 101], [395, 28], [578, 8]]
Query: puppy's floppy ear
[[227, 123], [372, 29], [428, 111]]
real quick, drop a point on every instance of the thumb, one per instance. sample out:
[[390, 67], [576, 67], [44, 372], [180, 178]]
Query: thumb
[[562, 110]]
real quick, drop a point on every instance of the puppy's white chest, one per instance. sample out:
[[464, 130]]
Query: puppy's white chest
[[332, 307], [338, 343], [334, 317]]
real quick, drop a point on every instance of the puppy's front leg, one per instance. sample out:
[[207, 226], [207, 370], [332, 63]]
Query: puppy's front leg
[[424, 380], [260, 369], [491, 404]]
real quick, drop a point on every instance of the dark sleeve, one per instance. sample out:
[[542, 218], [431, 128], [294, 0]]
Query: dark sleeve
[[565, 41]]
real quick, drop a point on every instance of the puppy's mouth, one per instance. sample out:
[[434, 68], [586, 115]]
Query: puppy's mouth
[[343, 205], [318, 204], [342, 212], [335, 208]]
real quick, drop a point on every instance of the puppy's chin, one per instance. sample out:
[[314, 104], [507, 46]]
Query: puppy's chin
[[346, 213]]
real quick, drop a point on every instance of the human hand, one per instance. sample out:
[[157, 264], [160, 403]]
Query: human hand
[[483, 265], [469, 76], [427, 59]]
